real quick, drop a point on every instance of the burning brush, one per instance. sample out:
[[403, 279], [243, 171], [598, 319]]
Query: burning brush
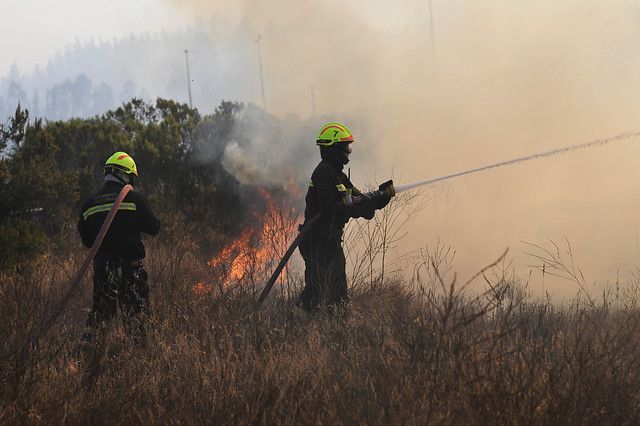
[[249, 258]]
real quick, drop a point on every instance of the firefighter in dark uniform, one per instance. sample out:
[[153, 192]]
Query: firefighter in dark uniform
[[119, 280], [332, 195]]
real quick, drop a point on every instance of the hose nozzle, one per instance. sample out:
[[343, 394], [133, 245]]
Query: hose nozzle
[[387, 188]]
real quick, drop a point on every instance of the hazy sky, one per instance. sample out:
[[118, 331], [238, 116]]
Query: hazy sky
[[431, 88], [33, 31]]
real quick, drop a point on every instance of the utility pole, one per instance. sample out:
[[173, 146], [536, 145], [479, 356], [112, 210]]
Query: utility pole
[[186, 54], [264, 100]]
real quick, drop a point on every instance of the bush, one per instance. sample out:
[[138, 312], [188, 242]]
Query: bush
[[20, 243]]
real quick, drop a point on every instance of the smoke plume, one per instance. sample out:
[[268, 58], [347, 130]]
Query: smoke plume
[[431, 89], [436, 88]]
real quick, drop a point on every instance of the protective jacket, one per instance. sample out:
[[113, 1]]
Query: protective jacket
[[327, 189], [134, 217]]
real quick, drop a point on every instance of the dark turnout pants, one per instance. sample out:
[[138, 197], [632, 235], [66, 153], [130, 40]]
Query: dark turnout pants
[[118, 283], [325, 276]]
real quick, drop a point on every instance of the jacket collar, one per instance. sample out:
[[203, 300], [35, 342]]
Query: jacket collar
[[337, 165]]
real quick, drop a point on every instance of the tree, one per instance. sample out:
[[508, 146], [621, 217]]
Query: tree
[[49, 169], [36, 198]]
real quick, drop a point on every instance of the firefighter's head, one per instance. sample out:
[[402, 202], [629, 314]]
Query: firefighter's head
[[122, 167], [334, 140]]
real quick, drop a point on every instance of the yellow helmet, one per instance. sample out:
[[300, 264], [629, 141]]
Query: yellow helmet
[[333, 133], [123, 162]]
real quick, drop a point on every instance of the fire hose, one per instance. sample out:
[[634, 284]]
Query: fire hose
[[304, 231], [83, 269]]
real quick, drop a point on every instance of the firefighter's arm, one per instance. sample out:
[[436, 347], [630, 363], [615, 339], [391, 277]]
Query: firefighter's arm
[[365, 208], [83, 230], [149, 222], [359, 204], [379, 199], [326, 191]]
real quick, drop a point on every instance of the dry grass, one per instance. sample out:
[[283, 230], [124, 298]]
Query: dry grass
[[399, 354], [425, 351]]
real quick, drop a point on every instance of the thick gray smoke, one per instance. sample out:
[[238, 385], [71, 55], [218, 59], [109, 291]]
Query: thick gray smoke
[[433, 88], [511, 79]]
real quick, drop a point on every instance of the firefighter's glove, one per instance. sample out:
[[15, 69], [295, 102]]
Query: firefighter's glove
[[383, 195]]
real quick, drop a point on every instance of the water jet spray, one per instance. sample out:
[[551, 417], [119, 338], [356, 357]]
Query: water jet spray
[[597, 142]]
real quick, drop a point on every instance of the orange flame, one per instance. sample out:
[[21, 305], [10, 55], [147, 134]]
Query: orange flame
[[248, 258]]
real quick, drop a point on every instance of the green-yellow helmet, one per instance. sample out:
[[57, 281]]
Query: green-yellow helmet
[[123, 162], [333, 133]]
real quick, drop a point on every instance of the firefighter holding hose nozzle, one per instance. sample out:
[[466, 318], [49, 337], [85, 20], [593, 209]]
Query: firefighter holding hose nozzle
[[119, 279], [332, 196]]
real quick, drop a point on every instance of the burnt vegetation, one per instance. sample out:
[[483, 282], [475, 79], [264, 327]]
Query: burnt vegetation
[[427, 350]]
